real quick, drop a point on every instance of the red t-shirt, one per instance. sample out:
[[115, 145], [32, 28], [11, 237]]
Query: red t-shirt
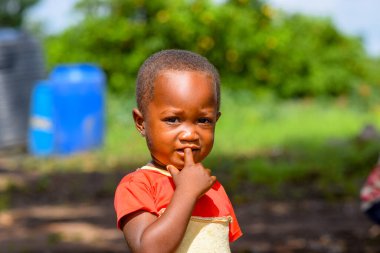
[[151, 190]]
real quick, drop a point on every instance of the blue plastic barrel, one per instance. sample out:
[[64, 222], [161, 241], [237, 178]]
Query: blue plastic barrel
[[41, 126], [79, 102]]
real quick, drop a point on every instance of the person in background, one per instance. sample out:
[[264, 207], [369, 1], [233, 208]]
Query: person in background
[[370, 194]]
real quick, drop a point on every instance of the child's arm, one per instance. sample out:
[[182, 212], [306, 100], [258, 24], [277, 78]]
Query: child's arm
[[145, 232]]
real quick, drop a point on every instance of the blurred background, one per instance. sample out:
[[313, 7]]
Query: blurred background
[[298, 136]]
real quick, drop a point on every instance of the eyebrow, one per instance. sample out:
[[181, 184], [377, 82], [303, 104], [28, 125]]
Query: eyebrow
[[172, 110], [180, 111]]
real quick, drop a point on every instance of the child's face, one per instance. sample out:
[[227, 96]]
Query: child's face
[[182, 114]]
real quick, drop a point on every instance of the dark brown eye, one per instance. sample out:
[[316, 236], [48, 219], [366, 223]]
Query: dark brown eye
[[171, 120], [205, 121]]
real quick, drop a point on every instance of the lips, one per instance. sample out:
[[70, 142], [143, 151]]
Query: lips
[[182, 150]]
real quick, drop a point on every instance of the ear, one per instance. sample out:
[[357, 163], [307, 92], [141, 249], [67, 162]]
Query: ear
[[139, 121], [218, 115]]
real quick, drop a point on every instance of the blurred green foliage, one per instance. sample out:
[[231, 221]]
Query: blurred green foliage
[[12, 12], [254, 46]]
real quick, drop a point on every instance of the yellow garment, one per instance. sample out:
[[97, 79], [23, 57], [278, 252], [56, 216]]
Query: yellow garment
[[206, 235]]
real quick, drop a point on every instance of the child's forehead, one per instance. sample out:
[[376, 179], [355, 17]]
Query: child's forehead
[[184, 84], [173, 73], [180, 78], [181, 71]]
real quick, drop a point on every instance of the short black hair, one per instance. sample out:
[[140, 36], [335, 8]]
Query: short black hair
[[170, 59]]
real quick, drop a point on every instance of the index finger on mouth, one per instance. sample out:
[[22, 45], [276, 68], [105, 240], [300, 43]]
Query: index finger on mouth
[[189, 159]]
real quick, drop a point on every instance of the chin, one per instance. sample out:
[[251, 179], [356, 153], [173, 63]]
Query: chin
[[179, 166]]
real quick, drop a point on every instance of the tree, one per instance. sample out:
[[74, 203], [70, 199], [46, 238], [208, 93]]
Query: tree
[[252, 45], [12, 12]]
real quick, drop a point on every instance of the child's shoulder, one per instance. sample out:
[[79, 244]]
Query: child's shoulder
[[145, 174]]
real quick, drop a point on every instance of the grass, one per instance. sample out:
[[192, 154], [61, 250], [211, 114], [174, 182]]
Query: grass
[[300, 142], [248, 125], [258, 139]]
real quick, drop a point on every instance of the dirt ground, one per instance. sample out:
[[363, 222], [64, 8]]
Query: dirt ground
[[73, 212]]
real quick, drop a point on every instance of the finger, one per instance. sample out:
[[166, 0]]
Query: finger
[[189, 159], [172, 170]]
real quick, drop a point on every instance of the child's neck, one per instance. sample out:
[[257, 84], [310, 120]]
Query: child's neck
[[156, 165]]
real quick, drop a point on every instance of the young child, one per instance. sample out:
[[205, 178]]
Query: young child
[[173, 203]]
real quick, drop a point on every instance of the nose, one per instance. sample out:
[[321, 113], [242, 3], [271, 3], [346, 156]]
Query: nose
[[189, 134]]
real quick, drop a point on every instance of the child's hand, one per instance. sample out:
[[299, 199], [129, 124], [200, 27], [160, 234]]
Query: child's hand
[[193, 178]]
